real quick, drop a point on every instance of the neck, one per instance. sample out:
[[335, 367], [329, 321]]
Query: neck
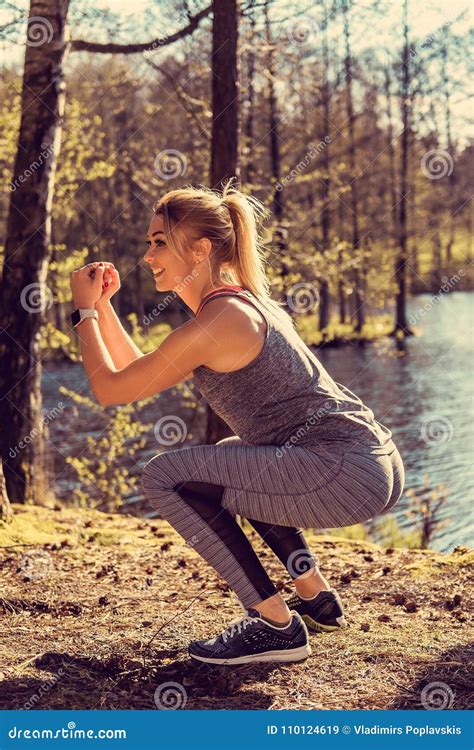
[[193, 297]]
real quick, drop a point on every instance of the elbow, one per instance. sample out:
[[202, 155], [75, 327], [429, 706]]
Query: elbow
[[105, 391], [103, 396]]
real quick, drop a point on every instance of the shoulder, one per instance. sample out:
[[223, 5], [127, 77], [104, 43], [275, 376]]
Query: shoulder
[[234, 331]]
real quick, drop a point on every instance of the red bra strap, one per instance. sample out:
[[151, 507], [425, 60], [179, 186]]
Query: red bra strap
[[220, 291]]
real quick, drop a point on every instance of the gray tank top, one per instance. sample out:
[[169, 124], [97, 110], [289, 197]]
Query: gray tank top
[[285, 397]]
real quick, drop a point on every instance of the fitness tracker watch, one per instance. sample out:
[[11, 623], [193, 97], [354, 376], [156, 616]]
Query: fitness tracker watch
[[81, 314]]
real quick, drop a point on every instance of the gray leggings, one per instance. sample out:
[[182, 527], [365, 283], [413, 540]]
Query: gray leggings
[[201, 489]]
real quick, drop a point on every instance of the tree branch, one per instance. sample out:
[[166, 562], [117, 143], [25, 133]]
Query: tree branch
[[79, 45]]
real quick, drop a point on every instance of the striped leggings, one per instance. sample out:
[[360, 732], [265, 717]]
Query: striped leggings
[[201, 489]]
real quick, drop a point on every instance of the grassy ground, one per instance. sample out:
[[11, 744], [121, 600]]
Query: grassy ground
[[96, 611]]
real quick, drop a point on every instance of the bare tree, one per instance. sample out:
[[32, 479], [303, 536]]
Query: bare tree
[[354, 187], [401, 323], [24, 294], [225, 129]]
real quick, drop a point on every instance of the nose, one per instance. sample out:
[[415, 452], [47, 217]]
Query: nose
[[147, 256]]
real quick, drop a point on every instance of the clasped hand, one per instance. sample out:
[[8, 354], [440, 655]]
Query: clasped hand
[[94, 284]]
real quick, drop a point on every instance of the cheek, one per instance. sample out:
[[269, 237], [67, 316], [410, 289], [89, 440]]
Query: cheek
[[181, 270]]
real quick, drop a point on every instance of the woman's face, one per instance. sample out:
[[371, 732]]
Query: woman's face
[[159, 256]]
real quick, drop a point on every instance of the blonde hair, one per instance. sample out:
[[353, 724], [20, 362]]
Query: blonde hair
[[232, 221]]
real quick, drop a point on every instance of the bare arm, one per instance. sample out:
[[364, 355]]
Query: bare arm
[[119, 344]]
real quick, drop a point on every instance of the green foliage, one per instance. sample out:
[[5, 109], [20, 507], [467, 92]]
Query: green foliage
[[60, 269], [152, 339], [385, 531], [54, 340], [102, 468], [375, 326]]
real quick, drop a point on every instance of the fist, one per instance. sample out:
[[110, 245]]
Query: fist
[[110, 283]]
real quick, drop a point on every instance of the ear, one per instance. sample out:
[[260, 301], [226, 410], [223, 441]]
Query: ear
[[201, 249]]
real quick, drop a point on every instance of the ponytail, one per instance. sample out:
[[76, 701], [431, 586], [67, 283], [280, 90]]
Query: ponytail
[[247, 265]]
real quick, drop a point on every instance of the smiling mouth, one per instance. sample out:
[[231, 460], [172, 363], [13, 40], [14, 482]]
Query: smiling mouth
[[158, 273]]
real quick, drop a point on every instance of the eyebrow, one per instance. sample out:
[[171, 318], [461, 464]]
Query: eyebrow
[[154, 234]]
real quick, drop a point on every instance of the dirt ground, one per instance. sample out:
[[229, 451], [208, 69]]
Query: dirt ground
[[97, 610]]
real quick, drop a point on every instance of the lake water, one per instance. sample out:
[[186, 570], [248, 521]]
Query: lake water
[[424, 395]]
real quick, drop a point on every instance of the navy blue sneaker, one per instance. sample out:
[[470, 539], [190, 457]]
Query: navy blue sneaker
[[322, 614], [252, 639]]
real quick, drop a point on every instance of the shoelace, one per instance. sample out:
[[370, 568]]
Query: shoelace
[[236, 626]]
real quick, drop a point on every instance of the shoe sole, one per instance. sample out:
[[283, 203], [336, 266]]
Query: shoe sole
[[318, 627], [288, 655]]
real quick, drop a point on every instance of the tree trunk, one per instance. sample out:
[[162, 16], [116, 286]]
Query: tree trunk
[[24, 294], [225, 92], [225, 130], [324, 300], [451, 197], [249, 119], [401, 323], [5, 507], [348, 70], [277, 200]]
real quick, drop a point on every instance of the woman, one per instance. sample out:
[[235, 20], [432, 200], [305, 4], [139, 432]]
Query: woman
[[306, 452]]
